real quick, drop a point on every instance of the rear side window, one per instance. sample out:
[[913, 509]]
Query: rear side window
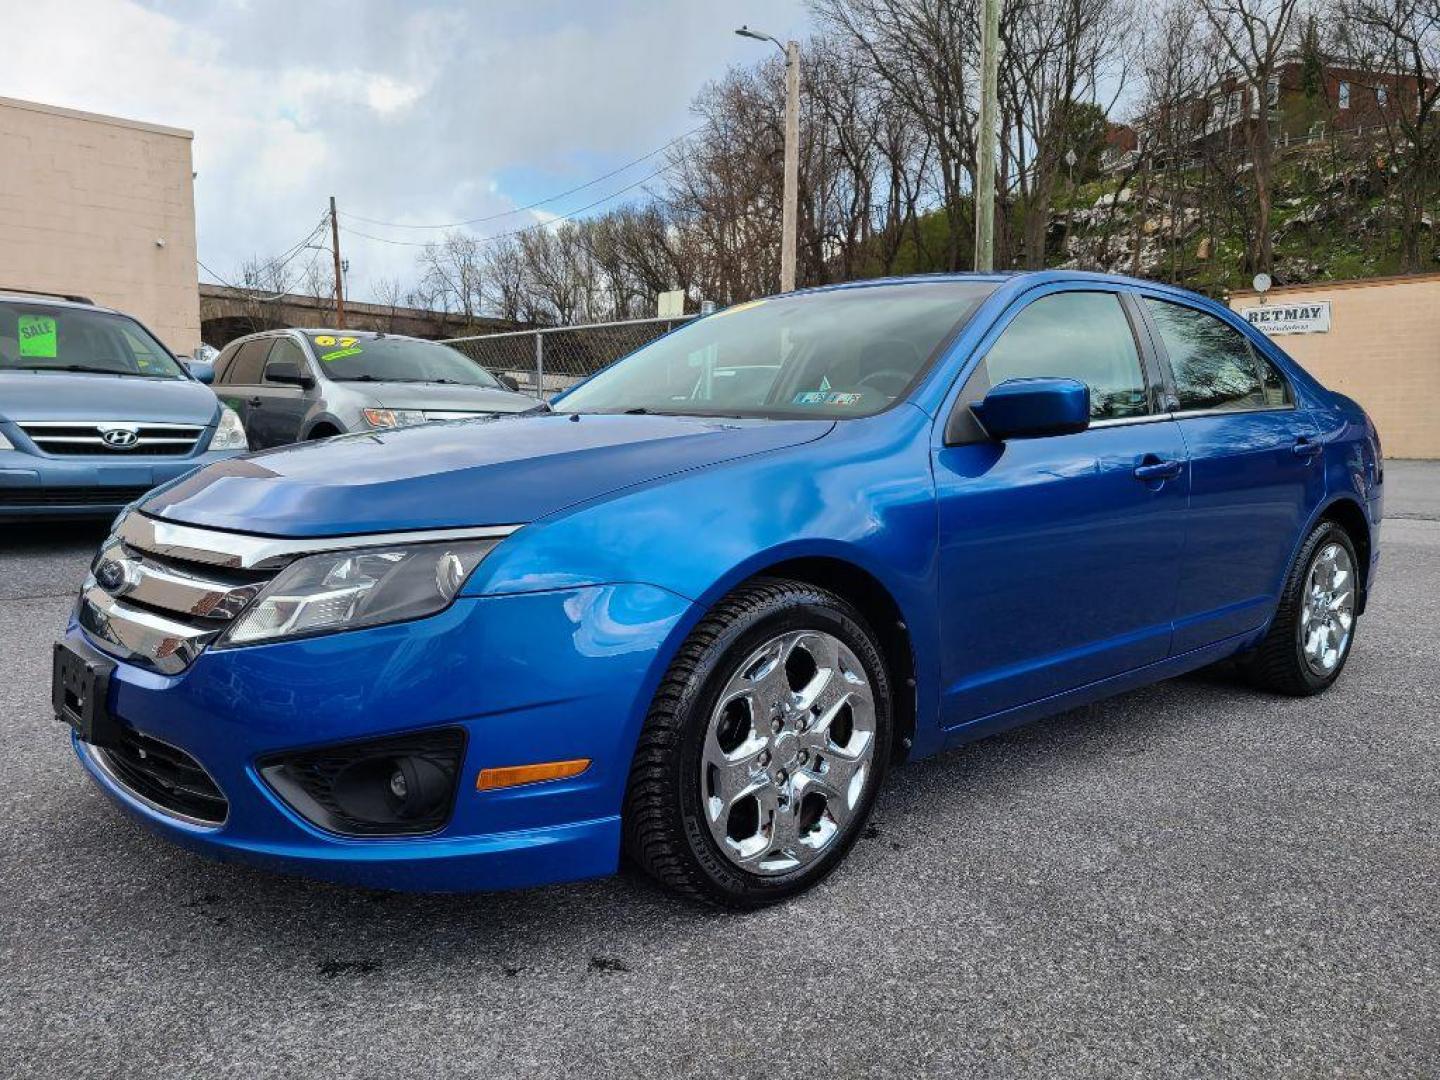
[[1075, 335], [244, 369], [1214, 366]]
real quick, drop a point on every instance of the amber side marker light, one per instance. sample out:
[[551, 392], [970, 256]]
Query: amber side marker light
[[515, 775]]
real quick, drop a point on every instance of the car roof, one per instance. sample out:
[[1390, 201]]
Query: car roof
[[44, 299], [1029, 278]]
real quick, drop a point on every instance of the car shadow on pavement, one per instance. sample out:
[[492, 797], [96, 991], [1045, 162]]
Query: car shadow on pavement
[[346, 932]]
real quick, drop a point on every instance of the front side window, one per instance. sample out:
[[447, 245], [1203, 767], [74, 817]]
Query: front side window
[[41, 338], [1214, 366], [286, 351], [843, 353], [244, 367], [1075, 335]]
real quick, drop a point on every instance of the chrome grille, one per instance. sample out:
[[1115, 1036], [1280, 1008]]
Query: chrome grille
[[159, 593], [105, 437], [451, 414]]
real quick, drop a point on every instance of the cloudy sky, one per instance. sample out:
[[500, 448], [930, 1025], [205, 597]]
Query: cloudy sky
[[413, 112]]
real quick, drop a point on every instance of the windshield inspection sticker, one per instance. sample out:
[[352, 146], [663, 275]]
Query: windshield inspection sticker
[[38, 337], [827, 397]]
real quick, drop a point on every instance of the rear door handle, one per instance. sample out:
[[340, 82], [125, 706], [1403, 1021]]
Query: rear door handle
[[1305, 448], [1155, 469], [255, 402]]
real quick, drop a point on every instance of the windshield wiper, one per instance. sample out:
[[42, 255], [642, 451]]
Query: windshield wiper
[[88, 369]]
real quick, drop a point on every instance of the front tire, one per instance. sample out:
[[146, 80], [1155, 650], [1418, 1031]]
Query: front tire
[[1309, 640], [764, 748]]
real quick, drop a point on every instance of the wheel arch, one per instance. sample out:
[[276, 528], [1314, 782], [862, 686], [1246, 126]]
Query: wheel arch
[[321, 423], [1350, 516], [852, 582]]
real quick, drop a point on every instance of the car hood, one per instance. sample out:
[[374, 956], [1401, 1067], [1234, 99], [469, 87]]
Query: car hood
[[441, 397], [73, 396], [460, 473]]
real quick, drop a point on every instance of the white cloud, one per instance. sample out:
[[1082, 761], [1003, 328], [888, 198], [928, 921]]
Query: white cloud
[[406, 112]]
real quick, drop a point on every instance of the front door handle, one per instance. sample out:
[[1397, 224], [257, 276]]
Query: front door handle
[[255, 402], [1306, 448], [1152, 468]]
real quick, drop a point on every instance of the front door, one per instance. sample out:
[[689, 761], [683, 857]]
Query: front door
[[1057, 562], [278, 409]]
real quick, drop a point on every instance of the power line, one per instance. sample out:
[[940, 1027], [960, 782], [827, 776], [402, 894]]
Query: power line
[[278, 263], [530, 206], [517, 232]]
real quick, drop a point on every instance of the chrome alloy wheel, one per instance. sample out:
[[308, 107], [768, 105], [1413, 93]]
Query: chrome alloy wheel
[[788, 752], [1328, 610]]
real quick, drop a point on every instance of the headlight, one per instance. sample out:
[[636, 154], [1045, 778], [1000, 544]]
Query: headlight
[[229, 433], [383, 418], [345, 590]]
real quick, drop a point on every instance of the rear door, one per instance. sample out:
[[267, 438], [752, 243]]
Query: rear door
[[1058, 560], [1256, 471]]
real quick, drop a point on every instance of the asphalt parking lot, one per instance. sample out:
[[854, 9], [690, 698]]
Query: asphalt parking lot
[[1193, 879]]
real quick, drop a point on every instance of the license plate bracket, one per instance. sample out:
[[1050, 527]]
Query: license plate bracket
[[79, 691]]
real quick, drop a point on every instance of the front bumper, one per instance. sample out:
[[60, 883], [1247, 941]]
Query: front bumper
[[531, 678], [33, 486]]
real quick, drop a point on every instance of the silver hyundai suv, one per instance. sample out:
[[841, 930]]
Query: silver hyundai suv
[[292, 385]]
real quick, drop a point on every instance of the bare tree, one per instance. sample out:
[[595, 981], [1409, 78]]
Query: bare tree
[[925, 52], [1399, 40], [1255, 35], [452, 277]]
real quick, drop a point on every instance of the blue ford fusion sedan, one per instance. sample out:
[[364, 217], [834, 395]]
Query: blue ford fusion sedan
[[697, 611]]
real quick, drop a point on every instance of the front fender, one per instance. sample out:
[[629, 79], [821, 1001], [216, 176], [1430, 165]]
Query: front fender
[[862, 495]]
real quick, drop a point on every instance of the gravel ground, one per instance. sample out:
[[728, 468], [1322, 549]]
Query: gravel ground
[[1192, 879]]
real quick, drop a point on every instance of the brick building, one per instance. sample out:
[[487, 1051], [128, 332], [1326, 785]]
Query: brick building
[[1327, 99], [102, 207]]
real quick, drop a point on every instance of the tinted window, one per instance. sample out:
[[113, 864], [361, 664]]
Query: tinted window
[[40, 338], [1276, 389], [846, 352], [1075, 335], [244, 369], [286, 351], [223, 361], [1213, 365]]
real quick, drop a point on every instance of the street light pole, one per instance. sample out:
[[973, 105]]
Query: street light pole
[[790, 205], [986, 140]]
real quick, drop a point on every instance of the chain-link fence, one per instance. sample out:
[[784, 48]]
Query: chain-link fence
[[544, 362]]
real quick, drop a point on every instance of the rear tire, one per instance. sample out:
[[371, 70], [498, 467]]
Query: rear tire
[[1310, 638], [763, 750]]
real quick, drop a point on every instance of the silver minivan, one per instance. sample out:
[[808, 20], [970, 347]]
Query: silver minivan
[[292, 385]]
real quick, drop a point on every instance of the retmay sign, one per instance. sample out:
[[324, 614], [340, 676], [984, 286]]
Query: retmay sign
[[1311, 317]]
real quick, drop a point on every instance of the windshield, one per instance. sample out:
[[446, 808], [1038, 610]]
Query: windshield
[[844, 353], [347, 358], [39, 337]]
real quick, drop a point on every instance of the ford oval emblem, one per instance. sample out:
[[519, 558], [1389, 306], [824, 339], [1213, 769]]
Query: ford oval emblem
[[120, 438]]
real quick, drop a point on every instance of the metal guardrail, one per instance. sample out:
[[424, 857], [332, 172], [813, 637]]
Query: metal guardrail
[[545, 361]]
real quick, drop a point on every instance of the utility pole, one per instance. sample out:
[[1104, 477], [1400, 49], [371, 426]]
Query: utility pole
[[790, 204], [339, 280], [986, 137], [790, 215]]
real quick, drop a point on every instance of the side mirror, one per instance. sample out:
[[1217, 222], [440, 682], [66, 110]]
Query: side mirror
[[1029, 408], [507, 382], [201, 372], [289, 373]]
